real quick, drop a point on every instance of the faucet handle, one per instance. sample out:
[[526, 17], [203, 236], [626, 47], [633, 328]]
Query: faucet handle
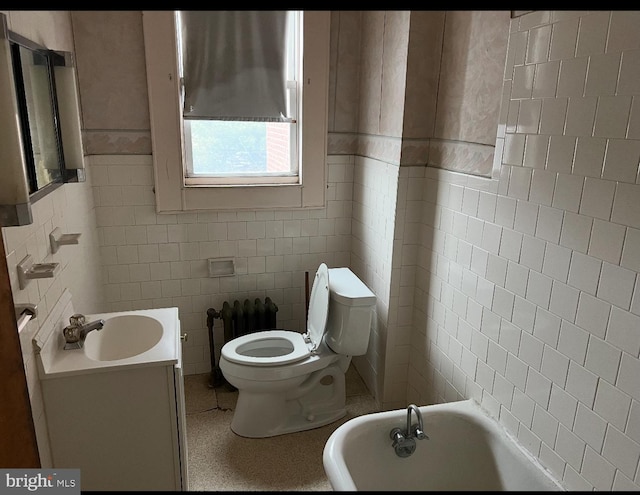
[[418, 433], [396, 435], [71, 334], [77, 320]]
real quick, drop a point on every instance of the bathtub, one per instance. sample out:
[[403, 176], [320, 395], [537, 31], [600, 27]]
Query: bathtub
[[466, 450]]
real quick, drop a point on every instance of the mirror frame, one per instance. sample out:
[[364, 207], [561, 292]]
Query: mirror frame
[[20, 187], [43, 125]]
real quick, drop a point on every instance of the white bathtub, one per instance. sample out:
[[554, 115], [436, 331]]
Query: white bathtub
[[466, 450]]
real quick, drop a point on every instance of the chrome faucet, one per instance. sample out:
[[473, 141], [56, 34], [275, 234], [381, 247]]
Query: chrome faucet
[[76, 332], [404, 442]]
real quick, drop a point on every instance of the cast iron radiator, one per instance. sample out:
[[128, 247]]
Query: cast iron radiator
[[239, 319]]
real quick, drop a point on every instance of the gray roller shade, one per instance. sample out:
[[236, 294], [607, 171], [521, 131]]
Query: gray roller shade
[[234, 65]]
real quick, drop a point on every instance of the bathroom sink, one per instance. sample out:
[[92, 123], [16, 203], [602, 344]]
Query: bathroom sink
[[122, 337], [128, 339]]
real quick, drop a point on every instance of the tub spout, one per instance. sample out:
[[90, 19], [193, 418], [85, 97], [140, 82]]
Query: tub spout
[[404, 442]]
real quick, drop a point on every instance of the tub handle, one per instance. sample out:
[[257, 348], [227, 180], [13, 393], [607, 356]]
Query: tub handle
[[404, 446], [417, 432]]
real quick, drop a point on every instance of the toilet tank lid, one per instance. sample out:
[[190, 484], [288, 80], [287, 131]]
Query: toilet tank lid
[[346, 288]]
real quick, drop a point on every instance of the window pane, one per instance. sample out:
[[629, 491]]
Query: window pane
[[239, 148]]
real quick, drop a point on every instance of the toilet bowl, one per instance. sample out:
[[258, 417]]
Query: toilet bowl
[[288, 381]]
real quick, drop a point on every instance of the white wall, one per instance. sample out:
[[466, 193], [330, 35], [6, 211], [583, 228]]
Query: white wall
[[520, 292], [69, 208], [527, 293], [151, 260], [374, 204]]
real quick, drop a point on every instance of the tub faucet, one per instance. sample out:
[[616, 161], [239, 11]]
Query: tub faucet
[[76, 332], [404, 442], [416, 431]]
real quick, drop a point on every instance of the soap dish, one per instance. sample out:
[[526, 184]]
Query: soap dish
[[56, 239], [27, 270]]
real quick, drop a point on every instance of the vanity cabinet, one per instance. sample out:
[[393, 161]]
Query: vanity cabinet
[[123, 426]]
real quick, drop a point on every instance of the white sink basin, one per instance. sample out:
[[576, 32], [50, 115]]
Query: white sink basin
[[123, 337], [128, 339]]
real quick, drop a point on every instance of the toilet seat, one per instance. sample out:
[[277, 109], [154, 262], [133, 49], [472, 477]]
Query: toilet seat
[[318, 307], [267, 348], [278, 347]]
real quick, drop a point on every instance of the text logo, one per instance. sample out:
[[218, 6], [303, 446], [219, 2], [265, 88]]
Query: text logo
[[49, 481]]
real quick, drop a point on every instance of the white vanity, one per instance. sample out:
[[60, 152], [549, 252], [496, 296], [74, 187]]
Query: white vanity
[[115, 407]]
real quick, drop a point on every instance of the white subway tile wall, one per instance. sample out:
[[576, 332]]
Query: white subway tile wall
[[530, 304], [151, 260], [373, 260], [70, 209], [519, 291]]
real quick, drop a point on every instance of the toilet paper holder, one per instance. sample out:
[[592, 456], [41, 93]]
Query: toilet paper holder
[[24, 313]]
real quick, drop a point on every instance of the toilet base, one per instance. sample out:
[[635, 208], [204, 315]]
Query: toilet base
[[293, 424], [318, 401]]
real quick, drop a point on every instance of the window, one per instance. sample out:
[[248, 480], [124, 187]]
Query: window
[[204, 163], [245, 129]]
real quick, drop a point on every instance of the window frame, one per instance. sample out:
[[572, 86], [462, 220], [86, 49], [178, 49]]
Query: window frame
[[294, 77], [172, 194]]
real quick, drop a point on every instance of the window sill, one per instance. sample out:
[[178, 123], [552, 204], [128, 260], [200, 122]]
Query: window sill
[[243, 197]]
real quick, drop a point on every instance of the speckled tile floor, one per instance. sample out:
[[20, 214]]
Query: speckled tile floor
[[220, 460]]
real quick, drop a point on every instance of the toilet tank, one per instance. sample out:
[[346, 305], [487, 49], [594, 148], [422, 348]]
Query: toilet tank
[[351, 312]]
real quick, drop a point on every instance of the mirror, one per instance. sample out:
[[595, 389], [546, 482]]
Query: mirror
[[33, 80], [40, 128]]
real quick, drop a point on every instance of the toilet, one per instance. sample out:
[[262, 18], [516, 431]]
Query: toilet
[[288, 381]]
